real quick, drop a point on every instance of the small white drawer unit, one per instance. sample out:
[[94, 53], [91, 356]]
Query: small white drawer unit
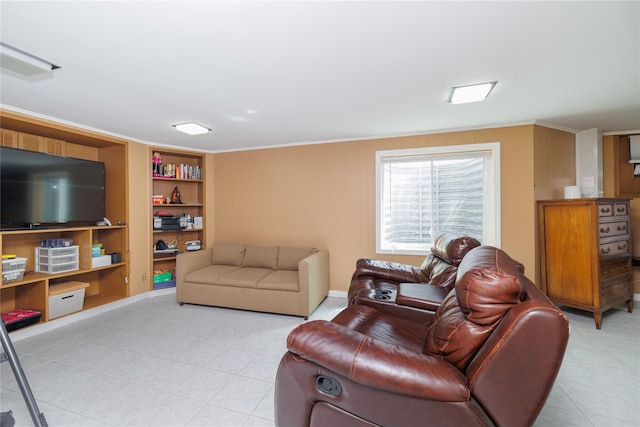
[[57, 260]]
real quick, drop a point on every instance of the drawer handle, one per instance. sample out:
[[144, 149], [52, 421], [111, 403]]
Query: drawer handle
[[605, 210], [621, 210], [605, 251], [604, 230], [622, 247], [622, 228]]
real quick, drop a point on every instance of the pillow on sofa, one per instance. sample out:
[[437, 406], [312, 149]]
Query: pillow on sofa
[[228, 253], [288, 258], [261, 257]]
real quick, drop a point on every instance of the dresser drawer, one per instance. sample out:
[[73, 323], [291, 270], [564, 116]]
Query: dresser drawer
[[605, 209], [619, 247], [620, 209], [609, 271], [613, 228], [614, 291]]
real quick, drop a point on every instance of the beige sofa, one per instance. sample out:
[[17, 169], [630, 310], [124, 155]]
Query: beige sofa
[[286, 280]]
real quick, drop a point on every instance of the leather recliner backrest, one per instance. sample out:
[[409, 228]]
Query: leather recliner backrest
[[487, 285], [441, 265]]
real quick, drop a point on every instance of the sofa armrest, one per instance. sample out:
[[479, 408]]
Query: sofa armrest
[[190, 261], [386, 270], [422, 296], [366, 360], [313, 278]]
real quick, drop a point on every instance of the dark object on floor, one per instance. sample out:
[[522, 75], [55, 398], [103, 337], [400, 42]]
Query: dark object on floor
[[20, 318], [6, 419]]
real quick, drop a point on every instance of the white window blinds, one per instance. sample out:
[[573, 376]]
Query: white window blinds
[[422, 194]]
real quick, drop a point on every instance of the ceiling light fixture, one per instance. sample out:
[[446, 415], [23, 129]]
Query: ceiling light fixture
[[192, 128], [470, 93], [22, 62]]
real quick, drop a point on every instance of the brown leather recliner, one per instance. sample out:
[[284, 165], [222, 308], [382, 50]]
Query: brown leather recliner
[[489, 356], [400, 288]]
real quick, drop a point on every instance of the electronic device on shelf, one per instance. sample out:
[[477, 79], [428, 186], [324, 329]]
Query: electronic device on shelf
[[43, 190], [193, 245], [166, 223]]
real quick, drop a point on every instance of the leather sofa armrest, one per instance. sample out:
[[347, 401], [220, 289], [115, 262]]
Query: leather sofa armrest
[[425, 297], [375, 363], [386, 270]]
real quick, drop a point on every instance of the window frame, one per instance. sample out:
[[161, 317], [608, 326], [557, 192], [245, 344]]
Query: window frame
[[492, 233]]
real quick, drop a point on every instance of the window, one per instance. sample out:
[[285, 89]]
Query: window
[[422, 192]]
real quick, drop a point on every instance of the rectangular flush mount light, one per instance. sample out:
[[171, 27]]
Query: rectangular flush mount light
[[192, 128], [470, 93], [22, 62]]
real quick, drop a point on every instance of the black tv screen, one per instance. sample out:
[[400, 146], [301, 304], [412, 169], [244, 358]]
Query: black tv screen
[[38, 189]]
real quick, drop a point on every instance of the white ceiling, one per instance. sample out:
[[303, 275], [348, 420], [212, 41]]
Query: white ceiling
[[276, 73]]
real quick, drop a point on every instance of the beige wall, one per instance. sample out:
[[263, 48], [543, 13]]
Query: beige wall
[[324, 195]]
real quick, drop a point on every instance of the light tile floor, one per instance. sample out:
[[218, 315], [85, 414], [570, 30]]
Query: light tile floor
[[154, 363]]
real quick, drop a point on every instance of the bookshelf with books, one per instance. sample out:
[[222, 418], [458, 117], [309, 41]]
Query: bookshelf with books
[[178, 210]]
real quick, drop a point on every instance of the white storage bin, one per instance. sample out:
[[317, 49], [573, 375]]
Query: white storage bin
[[100, 261], [66, 298], [57, 268], [14, 264], [57, 252], [57, 260], [53, 260], [11, 276]]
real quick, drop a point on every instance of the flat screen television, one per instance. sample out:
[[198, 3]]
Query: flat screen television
[[44, 190]]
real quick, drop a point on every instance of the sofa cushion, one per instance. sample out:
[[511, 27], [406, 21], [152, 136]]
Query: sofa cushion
[[289, 257], [261, 257], [210, 275], [228, 253], [281, 280], [487, 286], [489, 283], [246, 277], [452, 247]]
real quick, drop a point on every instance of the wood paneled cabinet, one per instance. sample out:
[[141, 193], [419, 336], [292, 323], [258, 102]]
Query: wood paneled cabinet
[[183, 171], [26, 141], [107, 283], [585, 253]]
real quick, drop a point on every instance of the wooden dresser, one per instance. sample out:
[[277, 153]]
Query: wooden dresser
[[585, 253]]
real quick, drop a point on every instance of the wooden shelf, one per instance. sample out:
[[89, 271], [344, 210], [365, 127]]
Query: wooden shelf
[[192, 193], [107, 283]]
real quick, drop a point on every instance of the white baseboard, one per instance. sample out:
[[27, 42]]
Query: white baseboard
[[41, 328], [636, 297], [338, 294]]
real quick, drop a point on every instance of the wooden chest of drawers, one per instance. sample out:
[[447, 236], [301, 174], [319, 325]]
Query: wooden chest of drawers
[[585, 253]]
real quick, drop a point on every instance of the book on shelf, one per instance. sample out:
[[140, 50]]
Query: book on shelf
[[180, 171]]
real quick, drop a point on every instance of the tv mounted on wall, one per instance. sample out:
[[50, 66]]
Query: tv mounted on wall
[[44, 190]]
